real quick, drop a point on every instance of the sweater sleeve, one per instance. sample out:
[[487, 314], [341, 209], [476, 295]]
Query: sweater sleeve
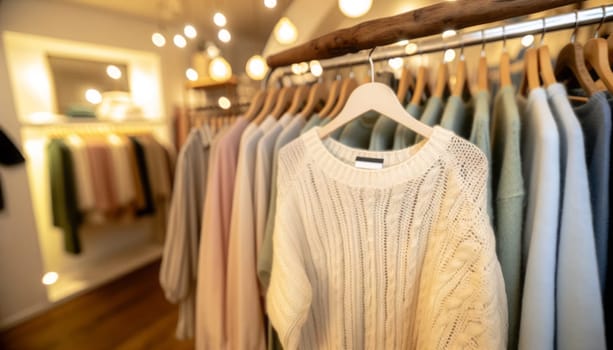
[[289, 294]]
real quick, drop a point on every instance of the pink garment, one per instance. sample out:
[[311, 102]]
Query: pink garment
[[211, 332], [102, 175]]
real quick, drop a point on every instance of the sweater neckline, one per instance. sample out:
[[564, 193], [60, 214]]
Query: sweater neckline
[[333, 157]]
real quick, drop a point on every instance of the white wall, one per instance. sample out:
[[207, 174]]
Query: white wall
[[21, 266]]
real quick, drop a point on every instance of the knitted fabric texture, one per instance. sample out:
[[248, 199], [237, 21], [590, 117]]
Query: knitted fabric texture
[[398, 258]]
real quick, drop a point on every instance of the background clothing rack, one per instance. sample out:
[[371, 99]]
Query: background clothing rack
[[419, 23]]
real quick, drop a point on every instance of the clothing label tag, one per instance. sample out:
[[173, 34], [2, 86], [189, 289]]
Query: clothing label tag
[[368, 163]]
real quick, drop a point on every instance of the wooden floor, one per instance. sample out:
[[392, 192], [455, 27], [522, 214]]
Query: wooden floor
[[129, 313]]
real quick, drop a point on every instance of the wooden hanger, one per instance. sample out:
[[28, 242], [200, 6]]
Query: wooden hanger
[[482, 69], [544, 60], [406, 82], [441, 81], [610, 45], [317, 93], [283, 101], [421, 83], [256, 104], [505, 69], [299, 99], [596, 54], [531, 71], [571, 63], [347, 88], [460, 89], [269, 104], [333, 93]]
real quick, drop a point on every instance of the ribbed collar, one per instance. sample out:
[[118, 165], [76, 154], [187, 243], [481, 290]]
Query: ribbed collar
[[337, 160]]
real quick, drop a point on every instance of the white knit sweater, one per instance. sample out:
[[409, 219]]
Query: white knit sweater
[[396, 258]]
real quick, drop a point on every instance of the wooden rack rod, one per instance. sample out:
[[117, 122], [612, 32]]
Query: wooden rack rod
[[509, 31], [419, 23]]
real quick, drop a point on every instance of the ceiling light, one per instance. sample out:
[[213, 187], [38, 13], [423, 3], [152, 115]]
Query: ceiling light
[[448, 33], [50, 278], [93, 96], [220, 69], [304, 67], [191, 74], [271, 4], [316, 68], [354, 8], [296, 68], [285, 31], [256, 67], [212, 50], [179, 40], [158, 39], [527, 40], [224, 35], [190, 31], [219, 19], [224, 102], [113, 71], [449, 55], [396, 63], [411, 48]]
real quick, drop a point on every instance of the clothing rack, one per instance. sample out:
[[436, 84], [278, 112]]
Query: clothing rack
[[435, 44]]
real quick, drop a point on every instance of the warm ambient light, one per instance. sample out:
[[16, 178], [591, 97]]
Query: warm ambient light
[[448, 33], [113, 71], [224, 35], [527, 40], [271, 4], [191, 74], [50, 278], [224, 102], [295, 68], [93, 96], [256, 67], [190, 31], [285, 31], [158, 39], [411, 48], [316, 68], [395, 63], [179, 41], [354, 8], [212, 50], [449, 55], [219, 19], [402, 42], [220, 69]]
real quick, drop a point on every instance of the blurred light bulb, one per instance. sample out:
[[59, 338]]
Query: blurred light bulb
[[402, 42], [296, 68], [396, 63], [449, 55], [224, 102], [224, 35], [219, 19], [220, 69], [316, 68], [354, 8], [411, 48], [113, 71], [212, 50], [179, 40], [271, 4], [527, 40], [448, 33], [304, 67], [50, 278], [285, 31], [256, 67], [190, 31], [158, 39], [191, 74], [93, 96]]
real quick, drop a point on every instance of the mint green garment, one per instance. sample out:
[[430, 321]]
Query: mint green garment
[[382, 138], [405, 137], [432, 113], [457, 116], [315, 120], [480, 136], [357, 133], [509, 195]]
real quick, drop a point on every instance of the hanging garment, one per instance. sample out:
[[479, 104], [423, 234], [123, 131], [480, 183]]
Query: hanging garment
[[9, 155], [541, 171], [400, 257], [315, 120], [595, 120], [64, 205], [139, 187], [357, 133], [579, 317], [101, 170], [144, 180], [405, 137], [457, 117], [213, 248], [382, 138], [122, 172], [179, 268], [509, 200], [480, 136], [608, 290], [245, 323], [432, 113], [83, 177]]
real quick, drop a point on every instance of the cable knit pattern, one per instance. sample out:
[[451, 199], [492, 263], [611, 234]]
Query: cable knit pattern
[[398, 258]]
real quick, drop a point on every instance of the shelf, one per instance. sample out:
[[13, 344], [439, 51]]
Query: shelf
[[208, 83]]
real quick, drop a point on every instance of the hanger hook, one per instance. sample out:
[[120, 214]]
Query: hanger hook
[[574, 35], [461, 48], [482, 43], [544, 21], [604, 14], [504, 38], [372, 65]]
